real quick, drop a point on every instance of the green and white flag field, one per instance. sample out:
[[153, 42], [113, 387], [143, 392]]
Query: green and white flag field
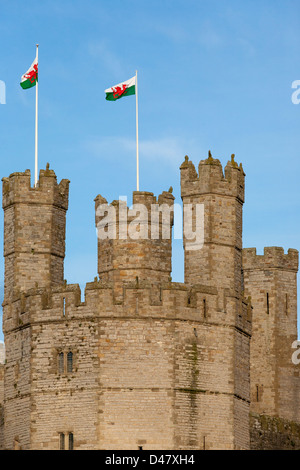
[[122, 89], [29, 79]]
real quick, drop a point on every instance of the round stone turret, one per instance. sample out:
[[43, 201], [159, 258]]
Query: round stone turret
[[135, 243], [34, 230]]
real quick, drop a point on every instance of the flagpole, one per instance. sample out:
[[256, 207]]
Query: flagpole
[[36, 122], [137, 135]]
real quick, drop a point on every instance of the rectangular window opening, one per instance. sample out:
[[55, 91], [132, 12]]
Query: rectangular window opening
[[204, 308], [61, 441], [71, 441], [69, 361], [61, 367], [268, 304]]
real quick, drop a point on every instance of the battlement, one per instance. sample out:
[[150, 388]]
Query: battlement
[[140, 299], [211, 179], [143, 198], [17, 189], [34, 230], [273, 258], [135, 241]]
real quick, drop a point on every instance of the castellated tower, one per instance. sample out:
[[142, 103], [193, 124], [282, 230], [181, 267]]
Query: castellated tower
[[34, 231], [214, 260], [137, 243], [219, 261], [144, 362], [271, 281], [34, 251]]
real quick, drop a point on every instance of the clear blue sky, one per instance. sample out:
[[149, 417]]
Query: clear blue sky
[[213, 74]]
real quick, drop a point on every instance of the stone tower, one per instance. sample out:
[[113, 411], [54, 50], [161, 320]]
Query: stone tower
[[141, 361], [137, 243], [34, 231], [271, 281], [219, 261], [34, 251], [215, 261]]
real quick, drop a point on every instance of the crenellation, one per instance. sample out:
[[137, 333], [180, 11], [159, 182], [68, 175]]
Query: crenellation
[[211, 179], [218, 260], [176, 300], [142, 360], [128, 247], [273, 257], [34, 231], [17, 189], [271, 281]]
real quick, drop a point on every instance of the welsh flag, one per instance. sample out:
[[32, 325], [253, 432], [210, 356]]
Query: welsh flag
[[30, 78], [122, 89]]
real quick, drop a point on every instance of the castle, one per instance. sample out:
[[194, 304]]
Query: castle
[[144, 362]]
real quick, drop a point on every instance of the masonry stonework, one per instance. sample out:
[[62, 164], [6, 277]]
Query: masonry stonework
[[143, 361]]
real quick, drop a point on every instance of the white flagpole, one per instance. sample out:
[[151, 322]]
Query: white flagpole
[[137, 135], [36, 122]]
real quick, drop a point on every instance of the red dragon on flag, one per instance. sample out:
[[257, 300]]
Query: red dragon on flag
[[30, 78], [119, 91], [32, 75], [125, 88]]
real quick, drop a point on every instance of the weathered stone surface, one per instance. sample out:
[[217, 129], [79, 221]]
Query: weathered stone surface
[[143, 360], [273, 433]]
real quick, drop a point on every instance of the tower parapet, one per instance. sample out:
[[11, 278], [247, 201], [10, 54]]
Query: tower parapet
[[136, 242], [273, 257], [34, 230], [17, 189], [271, 281], [219, 260], [210, 178]]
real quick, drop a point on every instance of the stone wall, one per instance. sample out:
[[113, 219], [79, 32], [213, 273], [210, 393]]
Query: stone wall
[[1, 406], [151, 371], [34, 230], [271, 281], [273, 433], [143, 361], [219, 261]]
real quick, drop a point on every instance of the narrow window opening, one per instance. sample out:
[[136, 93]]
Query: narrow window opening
[[69, 361], [71, 441], [61, 363], [140, 447], [61, 441], [64, 307], [204, 308], [204, 448], [268, 304], [286, 304], [17, 371], [257, 393]]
